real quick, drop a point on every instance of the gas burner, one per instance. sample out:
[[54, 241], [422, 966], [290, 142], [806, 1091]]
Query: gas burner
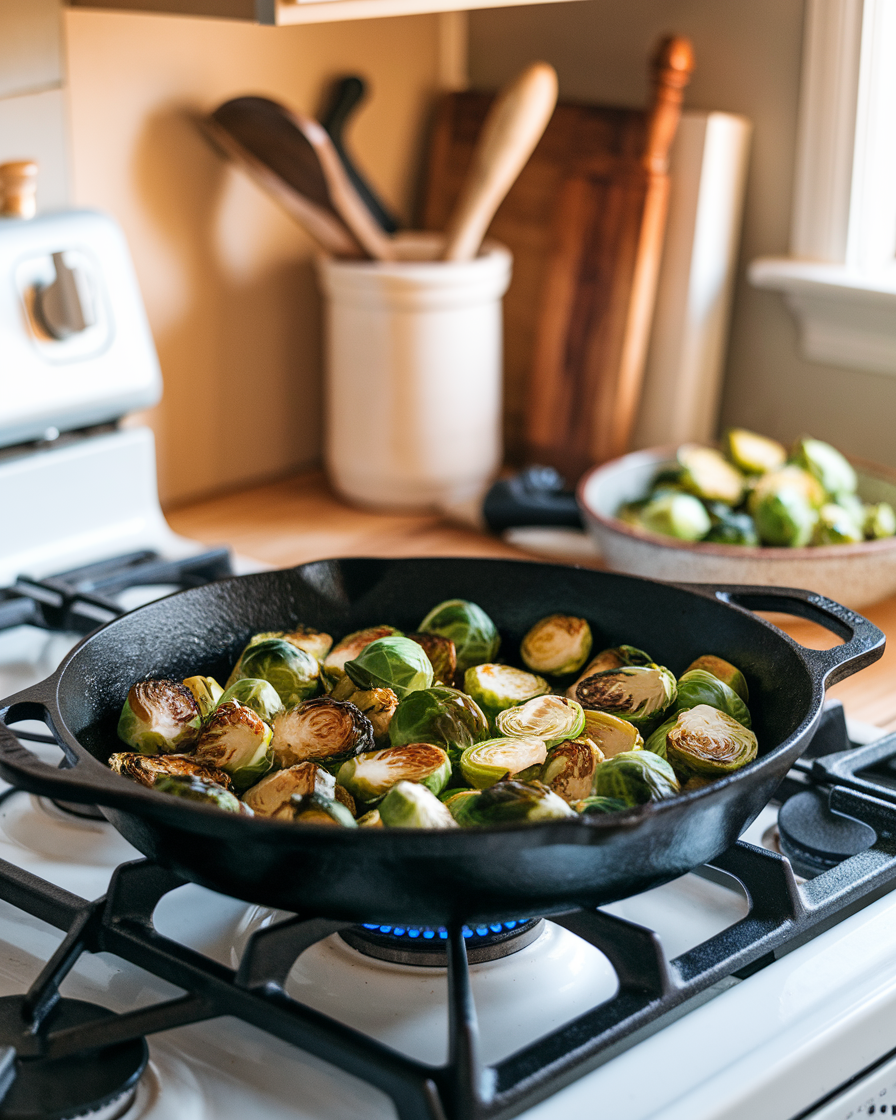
[[815, 838], [425, 947]]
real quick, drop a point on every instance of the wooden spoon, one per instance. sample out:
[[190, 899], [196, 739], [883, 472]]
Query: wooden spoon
[[511, 130]]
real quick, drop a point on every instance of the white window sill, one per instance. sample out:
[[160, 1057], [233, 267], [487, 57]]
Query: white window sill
[[846, 318]]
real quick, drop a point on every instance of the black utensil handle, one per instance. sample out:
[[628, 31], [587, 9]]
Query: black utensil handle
[[863, 642]]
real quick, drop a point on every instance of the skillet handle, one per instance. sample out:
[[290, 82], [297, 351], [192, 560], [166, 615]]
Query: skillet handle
[[863, 642]]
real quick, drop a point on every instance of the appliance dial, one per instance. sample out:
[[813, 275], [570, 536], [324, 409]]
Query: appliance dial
[[65, 307]]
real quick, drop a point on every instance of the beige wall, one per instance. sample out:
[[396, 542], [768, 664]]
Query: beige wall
[[748, 61], [226, 276]]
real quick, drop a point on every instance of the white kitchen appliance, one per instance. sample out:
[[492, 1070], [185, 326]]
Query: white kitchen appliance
[[769, 1007]]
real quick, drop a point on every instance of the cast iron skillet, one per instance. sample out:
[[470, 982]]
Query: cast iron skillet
[[435, 877]]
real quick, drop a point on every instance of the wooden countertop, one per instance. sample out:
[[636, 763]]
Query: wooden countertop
[[300, 519]]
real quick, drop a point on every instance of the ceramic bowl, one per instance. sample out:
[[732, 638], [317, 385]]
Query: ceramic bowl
[[853, 574]]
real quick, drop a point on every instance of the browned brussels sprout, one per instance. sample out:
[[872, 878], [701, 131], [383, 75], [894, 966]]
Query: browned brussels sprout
[[206, 691], [706, 473], [368, 777], [496, 759], [557, 645], [699, 687], [275, 790], [725, 671], [753, 453], [237, 740], [614, 658], [315, 808], [198, 789], [159, 717], [637, 693], [444, 716], [378, 704], [371, 819], [306, 638], [148, 768], [410, 805], [321, 729], [442, 656], [569, 770], [512, 802], [709, 743], [333, 665], [611, 734]]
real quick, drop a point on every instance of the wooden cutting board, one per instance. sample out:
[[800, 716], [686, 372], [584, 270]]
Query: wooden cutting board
[[585, 222]]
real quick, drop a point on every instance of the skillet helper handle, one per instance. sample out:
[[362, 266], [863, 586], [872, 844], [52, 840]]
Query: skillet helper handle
[[863, 642]]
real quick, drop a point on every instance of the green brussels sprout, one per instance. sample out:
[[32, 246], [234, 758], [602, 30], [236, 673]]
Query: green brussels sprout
[[148, 768], [198, 789], [612, 734], [486, 763], [637, 693], [512, 802], [320, 730], [256, 694], [396, 663], [442, 656], [315, 808], [370, 776], [159, 717], [569, 769], [707, 742], [699, 687], [378, 704], [725, 671], [294, 673], [598, 806], [753, 453], [305, 638], [410, 805], [333, 666], [237, 740], [440, 715], [836, 525], [371, 819], [551, 718], [790, 477], [879, 521], [498, 687], [629, 513], [656, 741], [206, 692], [557, 645], [637, 777], [784, 518], [452, 798], [475, 636], [853, 505], [731, 527], [274, 791], [833, 470], [707, 474], [682, 516]]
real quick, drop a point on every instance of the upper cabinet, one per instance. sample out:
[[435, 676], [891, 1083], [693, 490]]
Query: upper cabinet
[[282, 12]]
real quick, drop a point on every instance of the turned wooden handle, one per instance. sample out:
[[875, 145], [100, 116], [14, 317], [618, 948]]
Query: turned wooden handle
[[18, 189], [672, 67], [509, 134]]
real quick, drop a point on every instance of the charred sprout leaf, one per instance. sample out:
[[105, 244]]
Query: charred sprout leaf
[[598, 806], [551, 718], [707, 474], [753, 453], [371, 820], [198, 789], [237, 740], [636, 777], [159, 717], [496, 759], [512, 802], [206, 692], [785, 519], [333, 665], [833, 470], [315, 808], [879, 521], [725, 671], [498, 687], [709, 743], [557, 645], [442, 656], [294, 673], [148, 768], [275, 790], [699, 687], [256, 694], [612, 734], [569, 770], [656, 742], [475, 636], [682, 516], [368, 777], [637, 693], [836, 525], [396, 663], [410, 805], [444, 716], [321, 730]]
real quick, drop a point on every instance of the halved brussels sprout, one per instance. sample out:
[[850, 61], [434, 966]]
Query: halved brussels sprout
[[368, 777], [442, 656], [614, 658], [378, 704], [320, 730], [682, 516], [159, 717], [731, 527], [753, 453], [707, 742], [638, 693], [557, 645], [410, 805], [206, 692], [294, 673], [879, 521], [612, 734], [333, 665], [237, 740], [707, 474], [656, 741], [496, 759], [275, 790], [637, 777], [396, 663], [551, 718], [512, 802], [198, 789], [725, 671], [569, 770], [440, 715], [836, 525], [785, 519], [475, 636], [307, 638], [498, 687], [371, 819], [315, 808], [833, 470], [700, 687], [598, 806], [256, 694], [148, 768]]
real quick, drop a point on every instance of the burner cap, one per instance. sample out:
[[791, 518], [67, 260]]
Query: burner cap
[[97, 1084], [814, 838]]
